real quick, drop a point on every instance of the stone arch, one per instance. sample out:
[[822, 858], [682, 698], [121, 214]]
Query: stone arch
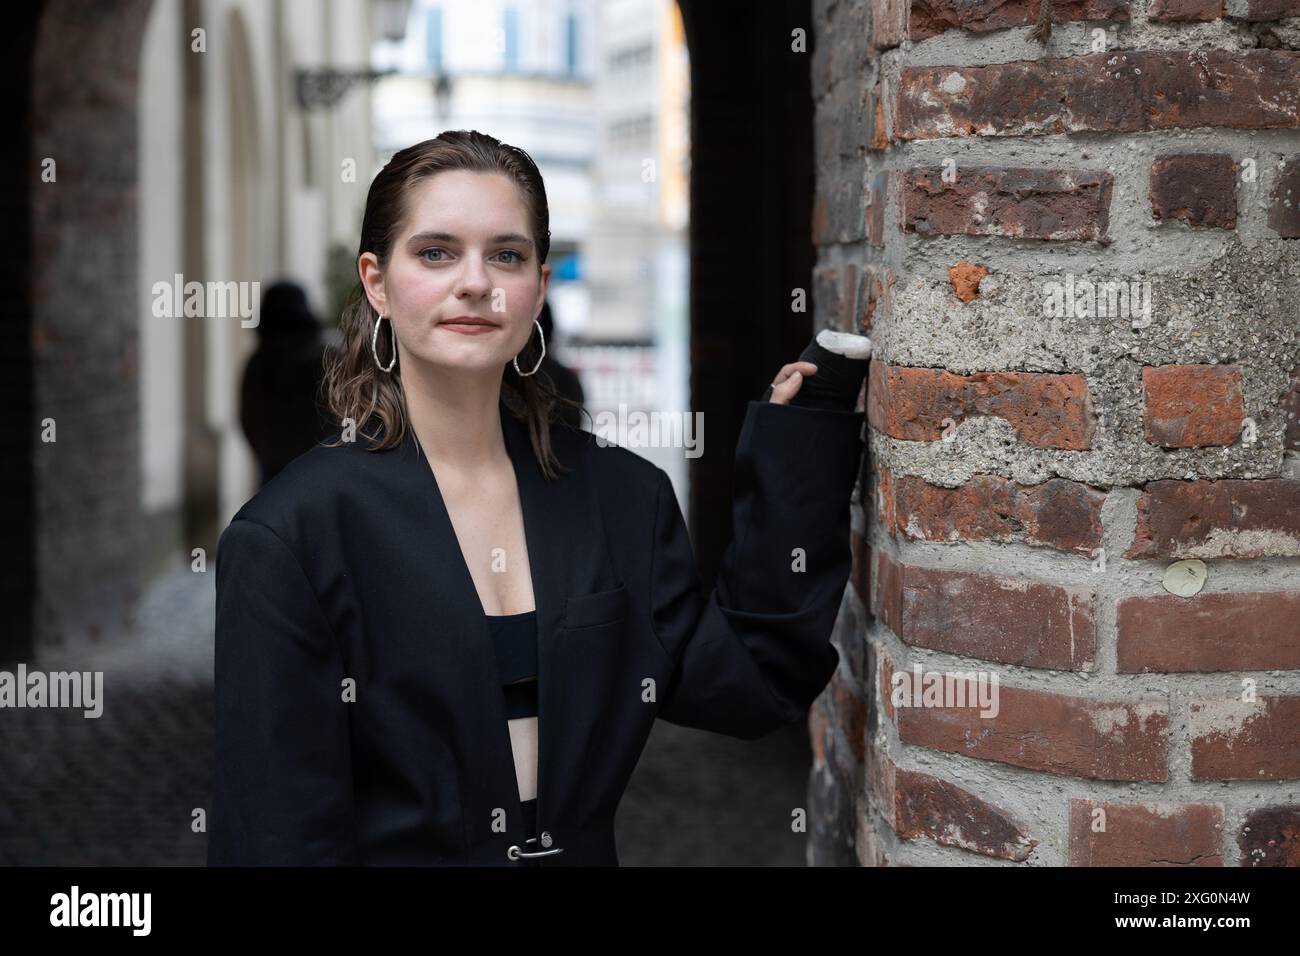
[[75, 329], [83, 320]]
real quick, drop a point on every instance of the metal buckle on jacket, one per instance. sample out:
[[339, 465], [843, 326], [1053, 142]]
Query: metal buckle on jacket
[[516, 853]]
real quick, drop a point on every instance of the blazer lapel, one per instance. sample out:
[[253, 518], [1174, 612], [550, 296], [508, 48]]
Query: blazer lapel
[[566, 556]]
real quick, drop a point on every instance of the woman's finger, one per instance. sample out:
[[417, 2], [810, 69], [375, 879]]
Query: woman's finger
[[786, 384]]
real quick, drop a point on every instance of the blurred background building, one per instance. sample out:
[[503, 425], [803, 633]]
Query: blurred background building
[[597, 92], [245, 140], [253, 161]]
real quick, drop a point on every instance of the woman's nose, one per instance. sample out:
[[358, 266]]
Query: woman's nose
[[473, 277]]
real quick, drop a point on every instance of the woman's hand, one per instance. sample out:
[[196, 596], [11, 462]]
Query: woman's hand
[[846, 356], [787, 382]]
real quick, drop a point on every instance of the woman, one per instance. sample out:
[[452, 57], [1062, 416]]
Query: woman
[[443, 636]]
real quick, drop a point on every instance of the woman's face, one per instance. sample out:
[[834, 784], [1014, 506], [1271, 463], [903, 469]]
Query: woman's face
[[465, 250]]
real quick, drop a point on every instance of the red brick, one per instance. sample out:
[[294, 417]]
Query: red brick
[[881, 136], [821, 220], [1258, 10], [827, 305], [1055, 733], [881, 771], [1015, 203], [1146, 834], [1193, 406], [875, 297], [818, 729], [995, 618], [1113, 92], [926, 806], [847, 318], [1058, 513], [1046, 410], [932, 17], [867, 844], [844, 319], [837, 53], [879, 768], [1236, 740], [841, 126], [1270, 836], [1185, 11], [868, 684], [878, 200], [1284, 209], [850, 713], [837, 209], [888, 24], [1164, 633], [1231, 518], [861, 567], [887, 596], [1198, 188], [965, 278]]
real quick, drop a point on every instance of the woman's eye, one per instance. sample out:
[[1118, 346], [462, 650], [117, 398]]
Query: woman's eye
[[426, 253]]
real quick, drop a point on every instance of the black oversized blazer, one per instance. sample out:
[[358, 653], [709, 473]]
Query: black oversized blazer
[[345, 568]]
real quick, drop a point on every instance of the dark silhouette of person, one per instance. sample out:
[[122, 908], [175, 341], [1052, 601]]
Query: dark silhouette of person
[[280, 406], [566, 379]]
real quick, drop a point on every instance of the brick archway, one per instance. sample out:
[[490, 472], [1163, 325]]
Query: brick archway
[[79, 345], [75, 336]]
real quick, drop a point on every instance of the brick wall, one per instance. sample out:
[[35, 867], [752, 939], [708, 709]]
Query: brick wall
[[1077, 262]]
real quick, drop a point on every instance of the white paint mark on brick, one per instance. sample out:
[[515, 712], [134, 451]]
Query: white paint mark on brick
[[954, 83]]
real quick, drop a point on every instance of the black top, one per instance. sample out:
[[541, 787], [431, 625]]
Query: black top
[[515, 637], [515, 640]]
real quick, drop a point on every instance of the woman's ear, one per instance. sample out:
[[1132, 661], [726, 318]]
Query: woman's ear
[[541, 291], [372, 281]]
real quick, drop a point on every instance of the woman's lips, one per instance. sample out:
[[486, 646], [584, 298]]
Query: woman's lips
[[468, 328]]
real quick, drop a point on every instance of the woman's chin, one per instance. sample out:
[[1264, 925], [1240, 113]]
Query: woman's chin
[[469, 356]]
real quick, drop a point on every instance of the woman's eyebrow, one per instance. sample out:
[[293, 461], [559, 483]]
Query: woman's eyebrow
[[448, 237]]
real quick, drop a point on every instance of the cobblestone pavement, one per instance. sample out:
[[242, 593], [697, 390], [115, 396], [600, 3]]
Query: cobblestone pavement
[[701, 799], [122, 789], [119, 789]]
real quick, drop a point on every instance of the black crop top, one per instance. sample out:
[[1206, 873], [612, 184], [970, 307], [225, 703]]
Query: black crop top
[[515, 639]]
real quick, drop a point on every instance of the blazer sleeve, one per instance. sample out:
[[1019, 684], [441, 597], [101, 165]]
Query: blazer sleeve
[[753, 655], [283, 775]]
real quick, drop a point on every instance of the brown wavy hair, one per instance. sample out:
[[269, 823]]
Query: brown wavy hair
[[355, 388]]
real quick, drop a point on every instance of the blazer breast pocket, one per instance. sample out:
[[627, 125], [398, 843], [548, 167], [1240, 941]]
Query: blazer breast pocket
[[592, 649], [595, 608]]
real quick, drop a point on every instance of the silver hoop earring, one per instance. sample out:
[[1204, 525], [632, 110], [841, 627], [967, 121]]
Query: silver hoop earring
[[374, 345], [539, 358]]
